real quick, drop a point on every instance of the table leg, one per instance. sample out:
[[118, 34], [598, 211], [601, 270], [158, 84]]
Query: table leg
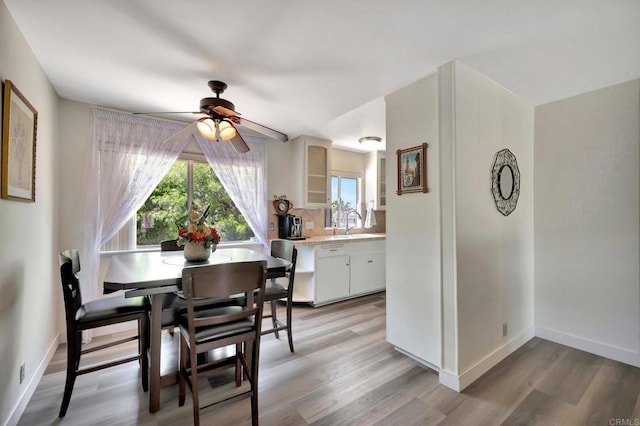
[[156, 347]]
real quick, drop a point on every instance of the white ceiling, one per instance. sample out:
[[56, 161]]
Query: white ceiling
[[322, 68]]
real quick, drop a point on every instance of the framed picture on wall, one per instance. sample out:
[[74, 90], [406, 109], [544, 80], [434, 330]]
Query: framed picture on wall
[[412, 169], [19, 128]]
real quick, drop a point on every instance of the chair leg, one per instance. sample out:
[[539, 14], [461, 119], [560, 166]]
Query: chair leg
[[182, 385], [78, 346], [194, 387], [274, 318], [254, 409], [238, 365], [289, 332], [73, 359], [255, 356], [144, 343]]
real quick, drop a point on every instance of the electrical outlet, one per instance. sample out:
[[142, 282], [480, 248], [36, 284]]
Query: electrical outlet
[[21, 373], [308, 225], [505, 329], [272, 226]]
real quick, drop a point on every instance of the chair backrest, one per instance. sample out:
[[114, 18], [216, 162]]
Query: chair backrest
[[226, 281], [170, 245], [285, 249], [69, 268]]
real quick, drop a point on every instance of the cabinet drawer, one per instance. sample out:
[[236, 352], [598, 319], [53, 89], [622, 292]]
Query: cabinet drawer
[[331, 249]]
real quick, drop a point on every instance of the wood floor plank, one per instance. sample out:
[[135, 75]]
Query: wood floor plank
[[415, 412], [542, 409], [612, 394], [376, 404], [491, 398], [569, 377], [343, 389], [344, 372]]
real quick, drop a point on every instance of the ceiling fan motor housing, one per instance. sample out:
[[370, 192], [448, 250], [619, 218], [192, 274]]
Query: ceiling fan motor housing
[[208, 104]]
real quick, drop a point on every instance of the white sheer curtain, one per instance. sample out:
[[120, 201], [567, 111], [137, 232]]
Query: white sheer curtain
[[243, 177], [129, 156]]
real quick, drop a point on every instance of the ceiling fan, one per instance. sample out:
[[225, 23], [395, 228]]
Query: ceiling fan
[[220, 119]]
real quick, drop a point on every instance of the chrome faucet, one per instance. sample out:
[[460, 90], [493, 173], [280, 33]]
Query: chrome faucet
[[346, 219]]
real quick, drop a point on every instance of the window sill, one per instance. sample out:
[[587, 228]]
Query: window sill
[[235, 244]]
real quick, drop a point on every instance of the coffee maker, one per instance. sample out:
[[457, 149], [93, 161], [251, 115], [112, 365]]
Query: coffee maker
[[290, 227]]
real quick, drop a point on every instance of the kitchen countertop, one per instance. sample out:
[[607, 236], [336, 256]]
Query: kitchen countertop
[[321, 239]]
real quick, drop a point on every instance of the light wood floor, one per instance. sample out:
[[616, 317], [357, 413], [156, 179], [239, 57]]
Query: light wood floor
[[343, 372]]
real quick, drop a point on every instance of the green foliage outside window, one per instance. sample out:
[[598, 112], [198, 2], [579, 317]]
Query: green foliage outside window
[[166, 207]]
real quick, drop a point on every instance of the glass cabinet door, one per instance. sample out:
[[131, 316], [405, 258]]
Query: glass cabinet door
[[382, 183], [316, 175]]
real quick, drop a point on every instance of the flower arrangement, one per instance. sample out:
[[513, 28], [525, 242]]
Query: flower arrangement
[[196, 229]]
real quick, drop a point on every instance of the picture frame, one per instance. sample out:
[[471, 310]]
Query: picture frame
[[412, 169], [19, 132]]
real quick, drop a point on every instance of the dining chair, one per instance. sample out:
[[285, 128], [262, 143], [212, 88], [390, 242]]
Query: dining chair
[[170, 245], [174, 304], [275, 291], [239, 325], [98, 313]]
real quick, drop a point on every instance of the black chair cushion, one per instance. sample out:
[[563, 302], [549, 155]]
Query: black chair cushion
[[274, 290], [111, 307], [174, 305], [214, 332]]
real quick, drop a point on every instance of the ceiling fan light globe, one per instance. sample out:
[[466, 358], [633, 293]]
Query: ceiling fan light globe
[[207, 128], [227, 131]]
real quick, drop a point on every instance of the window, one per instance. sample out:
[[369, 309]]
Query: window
[[344, 198], [188, 181]]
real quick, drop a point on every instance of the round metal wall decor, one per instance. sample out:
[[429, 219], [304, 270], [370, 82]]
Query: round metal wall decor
[[505, 181]]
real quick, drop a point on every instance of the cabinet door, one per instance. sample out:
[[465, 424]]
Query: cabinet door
[[310, 172], [382, 183], [332, 278], [317, 175], [367, 272]]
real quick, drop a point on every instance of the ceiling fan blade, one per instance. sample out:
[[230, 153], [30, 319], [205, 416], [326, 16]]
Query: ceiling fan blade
[[225, 111], [181, 132], [260, 129], [238, 143]]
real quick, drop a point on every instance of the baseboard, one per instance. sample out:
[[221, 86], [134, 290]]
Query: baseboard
[[30, 389], [592, 346], [473, 373], [449, 379]]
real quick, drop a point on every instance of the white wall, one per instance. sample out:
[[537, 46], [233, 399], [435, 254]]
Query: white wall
[[29, 282], [413, 226], [457, 268], [493, 254], [76, 136], [587, 222], [348, 161]]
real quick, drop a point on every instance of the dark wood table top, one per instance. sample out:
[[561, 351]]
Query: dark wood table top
[[156, 271]]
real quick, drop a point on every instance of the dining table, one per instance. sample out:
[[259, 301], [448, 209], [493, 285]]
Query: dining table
[[157, 273]]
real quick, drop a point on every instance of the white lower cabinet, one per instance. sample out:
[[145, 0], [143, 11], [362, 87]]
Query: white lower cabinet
[[367, 272], [344, 270], [332, 278]]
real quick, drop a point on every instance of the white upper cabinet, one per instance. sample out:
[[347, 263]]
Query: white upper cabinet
[[311, 172]]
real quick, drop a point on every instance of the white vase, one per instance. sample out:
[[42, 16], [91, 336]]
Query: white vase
[[196, 252]]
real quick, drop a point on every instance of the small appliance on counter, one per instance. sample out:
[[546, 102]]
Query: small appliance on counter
[[290, 227]]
